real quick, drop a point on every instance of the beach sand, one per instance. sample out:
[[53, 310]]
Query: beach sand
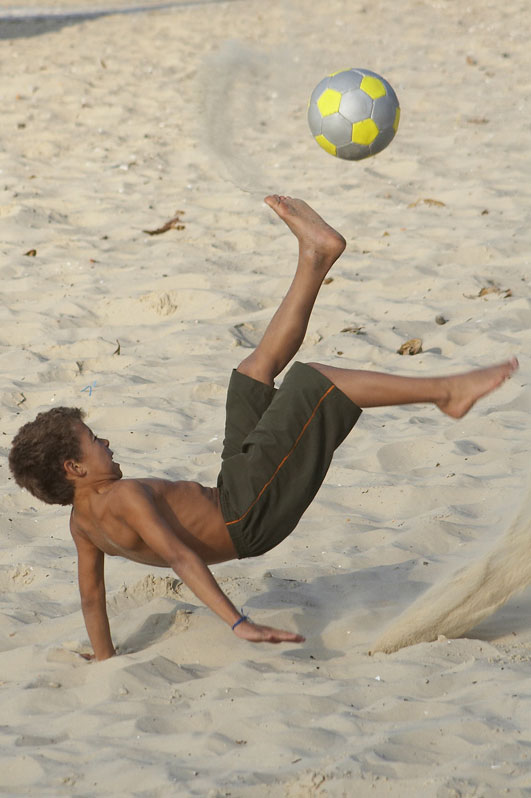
[[114, 124]]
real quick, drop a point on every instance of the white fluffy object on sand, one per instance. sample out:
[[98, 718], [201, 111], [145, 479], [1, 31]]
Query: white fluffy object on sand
[[471, 594]]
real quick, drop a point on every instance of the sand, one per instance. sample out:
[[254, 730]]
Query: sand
[[112, 125]]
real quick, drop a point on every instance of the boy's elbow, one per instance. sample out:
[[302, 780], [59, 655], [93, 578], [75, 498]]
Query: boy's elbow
[[182, 562], [178, 565]]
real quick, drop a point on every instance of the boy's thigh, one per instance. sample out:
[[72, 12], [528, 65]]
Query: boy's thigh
[[247, 399]]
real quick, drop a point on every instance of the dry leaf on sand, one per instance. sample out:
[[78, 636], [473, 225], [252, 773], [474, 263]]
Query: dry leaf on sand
[[173, 224], [427, 201], [355, 330]]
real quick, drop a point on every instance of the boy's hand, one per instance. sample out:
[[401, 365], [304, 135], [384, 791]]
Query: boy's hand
[[256, 633], [93, 658]]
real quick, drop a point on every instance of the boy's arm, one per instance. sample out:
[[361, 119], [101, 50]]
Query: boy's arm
[[138, 511], [92, 592]]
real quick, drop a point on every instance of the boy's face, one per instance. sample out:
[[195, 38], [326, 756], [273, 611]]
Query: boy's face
[[96, 456]]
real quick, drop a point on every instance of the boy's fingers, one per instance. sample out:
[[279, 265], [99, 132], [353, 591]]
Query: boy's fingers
[[256, 633], [288, 636]]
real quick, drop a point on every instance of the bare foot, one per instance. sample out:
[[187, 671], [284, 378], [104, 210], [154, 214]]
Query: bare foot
[[462, 391], [317, 240]]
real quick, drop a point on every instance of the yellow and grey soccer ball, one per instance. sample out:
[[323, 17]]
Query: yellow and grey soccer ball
[[353, 114]]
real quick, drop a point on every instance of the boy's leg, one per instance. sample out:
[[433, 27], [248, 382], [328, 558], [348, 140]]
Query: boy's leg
[[453, 395], [319, 247]]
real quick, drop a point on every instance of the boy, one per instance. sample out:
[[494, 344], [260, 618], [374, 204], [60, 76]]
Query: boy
[[277, 449]]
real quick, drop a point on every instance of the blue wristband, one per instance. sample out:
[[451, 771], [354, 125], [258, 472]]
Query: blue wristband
[[240, 620]]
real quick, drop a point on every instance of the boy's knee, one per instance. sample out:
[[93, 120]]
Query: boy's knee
[[252, 367], [317, 367], [327, 371]]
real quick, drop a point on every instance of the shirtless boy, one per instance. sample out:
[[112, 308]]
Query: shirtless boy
[[277, 449]]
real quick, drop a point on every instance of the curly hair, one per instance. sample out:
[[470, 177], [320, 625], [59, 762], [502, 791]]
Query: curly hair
[[39, 450]]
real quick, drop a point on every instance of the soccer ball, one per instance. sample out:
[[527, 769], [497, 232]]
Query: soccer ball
[[353, 114]]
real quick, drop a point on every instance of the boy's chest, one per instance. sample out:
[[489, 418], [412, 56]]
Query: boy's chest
[[115, 538]]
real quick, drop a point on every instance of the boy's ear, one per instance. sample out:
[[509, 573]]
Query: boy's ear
[[73, 469]]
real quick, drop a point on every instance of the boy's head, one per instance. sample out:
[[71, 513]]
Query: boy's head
[[40, 449]]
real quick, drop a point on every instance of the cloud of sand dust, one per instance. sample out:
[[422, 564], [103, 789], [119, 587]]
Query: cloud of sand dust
[[231, 81], [471, 594], [248, 96]]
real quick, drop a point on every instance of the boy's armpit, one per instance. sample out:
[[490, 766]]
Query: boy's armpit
[[76, 531]]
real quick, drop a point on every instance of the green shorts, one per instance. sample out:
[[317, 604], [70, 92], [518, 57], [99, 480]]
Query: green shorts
[[278, 447]]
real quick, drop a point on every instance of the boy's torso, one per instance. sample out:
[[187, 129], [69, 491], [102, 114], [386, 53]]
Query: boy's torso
[[191, 510]]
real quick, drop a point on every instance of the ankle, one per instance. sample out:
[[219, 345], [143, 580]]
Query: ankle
[[442, 392]]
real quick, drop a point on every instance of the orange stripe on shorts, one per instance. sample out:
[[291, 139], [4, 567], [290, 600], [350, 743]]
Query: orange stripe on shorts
[[285, 458]]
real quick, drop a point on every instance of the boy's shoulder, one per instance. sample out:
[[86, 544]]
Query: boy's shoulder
[[112, 501], [119, 498], [129, 487], [126, 496]]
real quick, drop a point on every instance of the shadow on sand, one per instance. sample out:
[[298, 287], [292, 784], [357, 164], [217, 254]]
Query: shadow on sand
[[25, 23]]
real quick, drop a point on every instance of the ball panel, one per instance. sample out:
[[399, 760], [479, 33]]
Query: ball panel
[[373, 87], [390, 91], [328, 102], [369, 72], [355, 105], [314, 119], [326, 145], [345, 81], [388, 88], [337, 129], [353, 152], [381, 141], [397, 119], [319, 89], [364, 132], [383, 112]]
